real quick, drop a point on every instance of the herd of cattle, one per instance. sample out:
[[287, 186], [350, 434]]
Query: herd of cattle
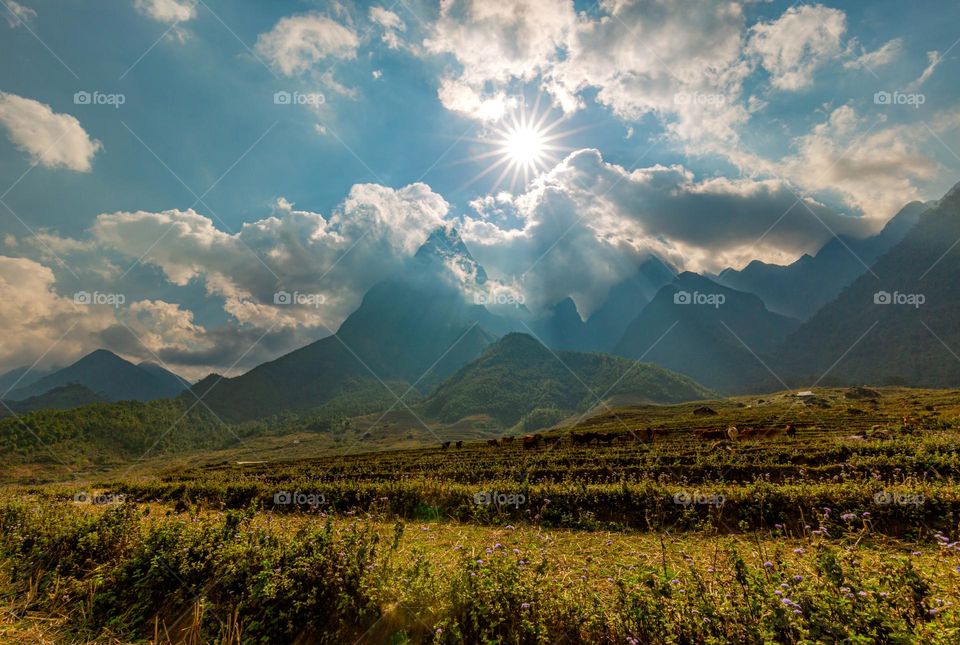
[[645, 435]]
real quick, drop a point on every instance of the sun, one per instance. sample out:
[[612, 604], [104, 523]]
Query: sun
[[524, 146], [521, 146]]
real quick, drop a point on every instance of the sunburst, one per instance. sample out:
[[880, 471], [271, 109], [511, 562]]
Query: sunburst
[[522, 145]]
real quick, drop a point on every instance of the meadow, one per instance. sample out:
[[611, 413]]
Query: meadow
[[826, 518]]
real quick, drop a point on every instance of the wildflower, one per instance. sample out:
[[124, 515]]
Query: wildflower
[[439, 630], [516, 551], [479, 561], [848, 517], [779, 527], [768, 565], [525, 605], [674, 582], [866, 515], [509, 527], [798, 578], [798, 551], [777, 592]]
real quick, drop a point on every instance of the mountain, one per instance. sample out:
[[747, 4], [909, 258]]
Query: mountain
[[20, 377], [109, 376], [563, 328], [414, 329], [165, 376], [64, 397], [518, 379], [899, 323], [709, 332], [800, 289]]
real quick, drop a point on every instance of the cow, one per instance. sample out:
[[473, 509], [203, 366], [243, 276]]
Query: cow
[[579, 439], [531, 441], [790, 430], [493, 442], [551, 441], [460, 444], [445, 445], [606, 438], [507, 440]]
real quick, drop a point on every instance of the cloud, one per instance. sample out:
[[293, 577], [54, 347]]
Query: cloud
[[297, 43], [887, 53], [17, 14], [37, 321], [934, 59], [495, 42], [792, 47], [391, 24], [587, 224], [168, 11], [51, 139]]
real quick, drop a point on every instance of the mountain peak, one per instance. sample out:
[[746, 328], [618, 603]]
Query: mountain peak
[[444, 245]]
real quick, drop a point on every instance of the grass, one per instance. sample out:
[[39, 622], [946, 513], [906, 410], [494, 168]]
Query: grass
[[843, 533]]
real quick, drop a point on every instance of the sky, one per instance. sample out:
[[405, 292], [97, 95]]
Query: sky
[[167, 167]]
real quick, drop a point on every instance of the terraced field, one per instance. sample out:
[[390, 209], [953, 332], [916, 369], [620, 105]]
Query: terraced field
[[669, 527]]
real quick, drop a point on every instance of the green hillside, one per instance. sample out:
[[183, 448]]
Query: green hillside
[[518, 377]]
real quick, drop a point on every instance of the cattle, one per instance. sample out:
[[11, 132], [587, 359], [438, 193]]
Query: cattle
[[606, 438], [459, 444], [645, 435], [790, 430], [580, 439], [493, 442], [507, 440], [531, 441], [551, 441], [711, 435], [445, 445]]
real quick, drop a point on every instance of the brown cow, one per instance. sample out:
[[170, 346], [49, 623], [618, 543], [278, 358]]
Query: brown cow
[[445, 445], [791, 430], [459, 444], [493, 442], [507, 440], [531, 441]]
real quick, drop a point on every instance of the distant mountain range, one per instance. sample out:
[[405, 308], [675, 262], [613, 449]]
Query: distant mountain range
[[898, 323], [105, 374], [798, 290], [422, 335]]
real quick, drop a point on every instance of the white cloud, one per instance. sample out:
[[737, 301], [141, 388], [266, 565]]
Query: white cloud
[[168, 11], [887, 53], [297, 43], [18, 14], [391, 24], [792, 47], [34, 317], [933, 59], [51, 139]]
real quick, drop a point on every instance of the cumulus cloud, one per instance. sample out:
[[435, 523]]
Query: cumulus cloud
[[933, 60], [792, 47], [17, 14], [51, 139], [36, 321], [168, 11], [587, 224], [297, 43]]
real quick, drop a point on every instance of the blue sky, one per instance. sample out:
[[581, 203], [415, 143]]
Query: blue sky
[[707, 133]]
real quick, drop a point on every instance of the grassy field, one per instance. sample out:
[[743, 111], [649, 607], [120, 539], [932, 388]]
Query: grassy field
[[668, 528]]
